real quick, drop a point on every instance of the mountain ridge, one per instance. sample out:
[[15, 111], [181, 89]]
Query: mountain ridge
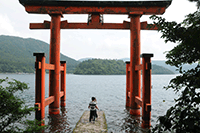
[[16, 54]]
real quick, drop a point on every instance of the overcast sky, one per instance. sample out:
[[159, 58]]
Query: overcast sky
[[104, 44]]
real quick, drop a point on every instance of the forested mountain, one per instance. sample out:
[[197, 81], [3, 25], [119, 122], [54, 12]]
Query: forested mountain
[[163, 64], [110, 67], [16, 54], [156, 69], [101, 67]]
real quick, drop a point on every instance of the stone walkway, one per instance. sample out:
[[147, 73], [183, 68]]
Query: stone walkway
[[84, 126]]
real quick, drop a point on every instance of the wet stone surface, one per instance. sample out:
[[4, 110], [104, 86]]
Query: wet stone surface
[[84, 126]]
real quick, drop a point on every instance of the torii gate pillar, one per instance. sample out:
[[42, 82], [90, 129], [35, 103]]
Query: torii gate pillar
[[135, 76], [54, 58]]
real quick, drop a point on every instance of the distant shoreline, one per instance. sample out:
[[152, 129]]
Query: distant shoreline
[[82, 74], [17, 73]]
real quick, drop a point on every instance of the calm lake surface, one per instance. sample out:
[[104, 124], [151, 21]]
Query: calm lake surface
[[110, 94]]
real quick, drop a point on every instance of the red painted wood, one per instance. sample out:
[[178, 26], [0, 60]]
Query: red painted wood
[[148, 107], [61, 93], [40, 88], [138, 100], [37, 105], [146, 92], [87, 10], [63, 84], [50, 67], [65, 25], [138, 67], [54, 85], [127, 84], [62, 68], [135, 79], [49, 100], [40, 100]]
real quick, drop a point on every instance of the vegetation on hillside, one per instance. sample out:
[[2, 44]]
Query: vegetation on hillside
[[110, 67], [184, 116], [101, 67], [16, 55], [156, 69]]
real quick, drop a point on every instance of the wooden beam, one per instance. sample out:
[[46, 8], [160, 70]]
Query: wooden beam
[[49, 100], [147, 10], [65, 25], [50, 67], [61, 93], [138, 100], [129, 69], [44, 25], [92, 26], [37, 105], [129, 94], [148, 107], [38, 65], [148, 66], [61, 68], [138, 67]]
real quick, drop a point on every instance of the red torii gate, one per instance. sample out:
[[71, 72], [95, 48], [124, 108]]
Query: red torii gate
[[95, 10]]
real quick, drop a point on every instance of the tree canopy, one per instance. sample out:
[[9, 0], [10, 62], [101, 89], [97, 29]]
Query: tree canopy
[[101, 67], [184, 116], [111, 67]]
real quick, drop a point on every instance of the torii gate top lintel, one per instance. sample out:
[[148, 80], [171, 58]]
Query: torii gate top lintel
[[100, 6]]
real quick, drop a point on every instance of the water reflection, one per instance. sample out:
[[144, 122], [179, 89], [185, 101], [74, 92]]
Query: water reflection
[[59, 123], [131, 124]]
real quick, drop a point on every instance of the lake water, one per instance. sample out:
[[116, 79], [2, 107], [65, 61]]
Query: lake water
[[110, 94]]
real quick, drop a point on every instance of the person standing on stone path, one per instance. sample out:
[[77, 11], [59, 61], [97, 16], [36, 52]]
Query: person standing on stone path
[[93, 106]]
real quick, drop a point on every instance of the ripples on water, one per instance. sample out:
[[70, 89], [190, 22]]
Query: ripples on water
[[110, 94]]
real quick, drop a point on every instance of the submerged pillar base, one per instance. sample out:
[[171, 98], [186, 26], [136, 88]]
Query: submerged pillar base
[[63, 104], [54, 111], [135, 112], [42, 122], [146, 124]]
